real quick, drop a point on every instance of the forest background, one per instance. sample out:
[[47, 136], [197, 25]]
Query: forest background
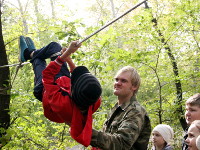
[[160, 39]]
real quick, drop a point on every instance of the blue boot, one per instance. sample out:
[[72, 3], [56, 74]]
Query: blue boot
[[30, 43], [22, 47]]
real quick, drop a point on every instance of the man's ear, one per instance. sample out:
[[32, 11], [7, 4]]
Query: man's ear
[[134, 88]]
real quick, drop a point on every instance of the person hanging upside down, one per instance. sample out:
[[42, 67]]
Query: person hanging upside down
[[66, 97]]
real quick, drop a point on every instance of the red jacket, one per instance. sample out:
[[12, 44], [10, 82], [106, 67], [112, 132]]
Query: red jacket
[[59, 108]]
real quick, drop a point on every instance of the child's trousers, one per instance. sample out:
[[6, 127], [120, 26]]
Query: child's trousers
[[39, 64]]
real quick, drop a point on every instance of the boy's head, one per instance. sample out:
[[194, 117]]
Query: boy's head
[[192, 109], [86, 89]]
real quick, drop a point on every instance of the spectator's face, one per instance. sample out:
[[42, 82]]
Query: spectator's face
[[193, 133], [192, 113], [123, 86], [158, 140]]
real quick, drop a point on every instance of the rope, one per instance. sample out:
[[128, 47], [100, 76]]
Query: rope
[[18, 64], [103, 27], [17, 69]]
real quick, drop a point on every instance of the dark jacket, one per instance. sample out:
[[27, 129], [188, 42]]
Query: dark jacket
[[184, 145]]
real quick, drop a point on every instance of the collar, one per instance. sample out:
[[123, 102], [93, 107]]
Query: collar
[[126, 104]]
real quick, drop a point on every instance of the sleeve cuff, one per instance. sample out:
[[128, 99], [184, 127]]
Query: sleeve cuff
[[59, 61]]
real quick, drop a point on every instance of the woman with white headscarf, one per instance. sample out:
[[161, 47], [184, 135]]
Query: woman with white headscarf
[[162, 136]]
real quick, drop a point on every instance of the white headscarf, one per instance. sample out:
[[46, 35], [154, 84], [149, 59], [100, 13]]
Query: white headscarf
[[198, 142], [166, 132]]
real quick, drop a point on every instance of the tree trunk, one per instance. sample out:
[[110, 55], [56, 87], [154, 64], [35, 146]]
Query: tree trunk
[[52, 9], [113, 8], [4, 86], [36, 10], [176, 73], [23, 17]]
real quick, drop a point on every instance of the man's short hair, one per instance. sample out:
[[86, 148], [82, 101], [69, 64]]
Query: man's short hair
[[135, 77], [194, 100]]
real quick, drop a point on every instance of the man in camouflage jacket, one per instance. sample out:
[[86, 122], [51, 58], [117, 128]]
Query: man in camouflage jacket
[[128, 125]]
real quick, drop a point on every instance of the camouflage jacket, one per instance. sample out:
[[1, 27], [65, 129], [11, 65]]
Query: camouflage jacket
[[127, 128]]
